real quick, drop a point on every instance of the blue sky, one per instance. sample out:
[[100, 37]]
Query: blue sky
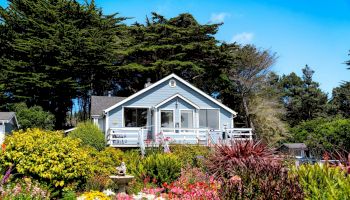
[[301, 32]]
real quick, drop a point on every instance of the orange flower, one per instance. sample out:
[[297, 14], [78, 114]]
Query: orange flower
[[3, 147]]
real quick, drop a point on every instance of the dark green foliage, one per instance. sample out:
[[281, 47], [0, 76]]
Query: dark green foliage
[[90, 135], [56, 51], [340, 101], [163, 46], [302, 97], [33, 117], [322, 135], [249, 170]]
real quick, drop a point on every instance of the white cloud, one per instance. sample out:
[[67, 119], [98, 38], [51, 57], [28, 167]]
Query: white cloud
[[243, 38], [219, 17]]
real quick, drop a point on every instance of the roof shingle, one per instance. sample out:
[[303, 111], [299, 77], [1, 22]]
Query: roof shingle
[[100, 103], [6, 115]]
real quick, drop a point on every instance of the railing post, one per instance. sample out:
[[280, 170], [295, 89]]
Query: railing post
[[141, 143]]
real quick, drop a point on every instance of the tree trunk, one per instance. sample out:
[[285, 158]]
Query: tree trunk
[[246, 110]]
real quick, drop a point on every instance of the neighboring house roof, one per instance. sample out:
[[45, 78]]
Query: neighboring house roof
[[295, 145], [8, 116], [100, 103], [160, 82]]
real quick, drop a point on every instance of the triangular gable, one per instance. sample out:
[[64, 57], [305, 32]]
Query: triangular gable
[[163, 80], [175, 96]]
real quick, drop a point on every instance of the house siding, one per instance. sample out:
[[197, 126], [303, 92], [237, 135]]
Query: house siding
[[163, 91]]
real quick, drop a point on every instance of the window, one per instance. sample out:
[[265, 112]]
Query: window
[[172, 83], [186, 119], [135, 117], [167, 119], [209, 118]]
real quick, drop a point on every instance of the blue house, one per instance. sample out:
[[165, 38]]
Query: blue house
[[170, 109]]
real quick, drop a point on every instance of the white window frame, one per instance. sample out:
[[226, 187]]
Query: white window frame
[[123, 117], [193, 117], [219, 121]]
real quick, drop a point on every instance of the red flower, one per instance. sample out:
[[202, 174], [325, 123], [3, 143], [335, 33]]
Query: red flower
[[165, 184]]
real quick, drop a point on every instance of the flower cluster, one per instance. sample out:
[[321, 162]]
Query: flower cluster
[[25, 189]]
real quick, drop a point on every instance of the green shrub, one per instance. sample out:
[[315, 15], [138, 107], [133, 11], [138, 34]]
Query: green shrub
[[164, 168], [105, 162], [33, 117], [323, 135], [47, 156], [90, 135], [323, 182], [192, 155]]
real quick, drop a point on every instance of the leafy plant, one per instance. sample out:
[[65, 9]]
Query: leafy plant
[[90, 135], [250, 170], [93, 195], [164, 168], [190, 154], [47, 156], [33, 117], [323, 182], [105, 162]]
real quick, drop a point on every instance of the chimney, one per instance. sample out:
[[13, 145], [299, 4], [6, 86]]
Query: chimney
[[148, 83], [109, 93]]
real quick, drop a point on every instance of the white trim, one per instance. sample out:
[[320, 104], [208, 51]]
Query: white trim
[[106, 125], [161, 81], [160, 117], [95, 121], [193, 120], [174, 96], [123, 118]]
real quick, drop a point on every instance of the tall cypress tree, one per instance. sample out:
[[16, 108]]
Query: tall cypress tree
[[58, 50], [162, 46]]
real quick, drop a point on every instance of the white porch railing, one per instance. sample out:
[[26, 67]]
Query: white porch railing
[[186, 135], [126, 137], [238, 134], [135, 137]]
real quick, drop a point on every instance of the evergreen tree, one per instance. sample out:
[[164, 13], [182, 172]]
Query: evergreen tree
[[162, 46], [58, 50], [340, 101], [302, 97]]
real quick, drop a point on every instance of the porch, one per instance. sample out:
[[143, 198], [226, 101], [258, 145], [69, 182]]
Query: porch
[[136, 137]]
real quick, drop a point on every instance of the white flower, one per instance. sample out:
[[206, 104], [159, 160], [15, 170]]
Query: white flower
[[109, 192]]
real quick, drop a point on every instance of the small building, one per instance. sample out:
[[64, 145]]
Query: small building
[[8, 123], [298, 150], [170, 108]]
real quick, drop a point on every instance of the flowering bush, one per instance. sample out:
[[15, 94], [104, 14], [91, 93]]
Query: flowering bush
[[49, 156], [24, 189], [249, 170], [93, 195]]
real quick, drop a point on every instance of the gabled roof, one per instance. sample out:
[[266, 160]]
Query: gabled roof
[[163, 80], [8, 116], [99, 103], [179, 96], [295, 145]]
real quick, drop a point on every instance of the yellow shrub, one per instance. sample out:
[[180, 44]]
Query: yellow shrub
[[48, 155]]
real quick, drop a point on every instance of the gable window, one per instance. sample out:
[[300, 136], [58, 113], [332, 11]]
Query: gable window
[[209, 118], [167, 118], [135, 117]]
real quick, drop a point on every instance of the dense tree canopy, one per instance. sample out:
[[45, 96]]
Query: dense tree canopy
[[55, 51]]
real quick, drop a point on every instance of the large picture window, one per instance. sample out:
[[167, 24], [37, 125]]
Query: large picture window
[[186, 119], [135, 117], [167, 119], [209, 118]]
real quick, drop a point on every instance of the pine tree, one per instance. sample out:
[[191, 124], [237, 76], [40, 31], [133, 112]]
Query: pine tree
[[162, 46], [58, 50], [302, 97]]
